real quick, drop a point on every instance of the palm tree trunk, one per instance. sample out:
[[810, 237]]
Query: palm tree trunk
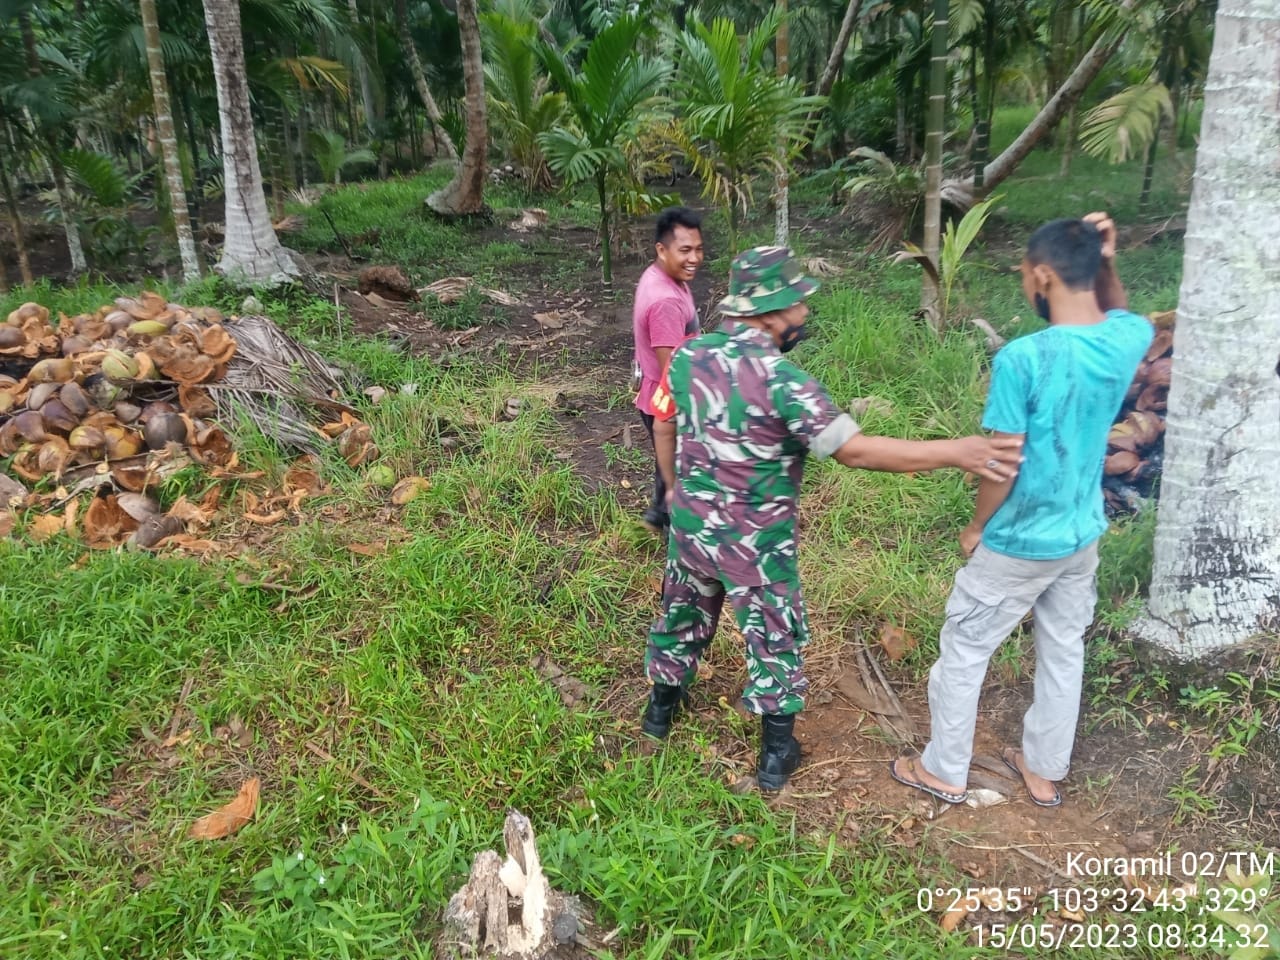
[[169, 143], [959, 193], [53, 155], [606, 240], [782, 193], [15, 225], [1148, 174], [366, 78], [442, 138], [251, 249], [464, 195], [930, 301], [836, 59], [1215, 581]]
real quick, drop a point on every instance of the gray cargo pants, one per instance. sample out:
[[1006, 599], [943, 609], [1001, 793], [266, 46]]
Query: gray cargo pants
[[992, 594]]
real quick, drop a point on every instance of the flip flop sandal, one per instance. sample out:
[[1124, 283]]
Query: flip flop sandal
[[1005, 754], [944, 795]]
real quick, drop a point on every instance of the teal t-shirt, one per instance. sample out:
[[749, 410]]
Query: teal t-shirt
[[1062, 387]]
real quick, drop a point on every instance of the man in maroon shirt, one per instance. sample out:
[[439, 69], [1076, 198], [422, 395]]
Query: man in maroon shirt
[[663, 318]]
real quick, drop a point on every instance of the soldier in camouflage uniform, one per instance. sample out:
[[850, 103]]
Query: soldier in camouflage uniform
[[745, 418]]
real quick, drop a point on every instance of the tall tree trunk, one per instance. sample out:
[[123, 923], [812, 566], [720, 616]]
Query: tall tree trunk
[[251, 249], [66, 203], [464, 194], [935, 118], [169, 143], [15, 225], [959, 193], [1069, 141], [834, 62], [606, 239], [1216, 580], [782, 193], [442, 139], [366, 78], [1148, 174]]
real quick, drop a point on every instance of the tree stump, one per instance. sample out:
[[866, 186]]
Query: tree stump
[[506, 909]]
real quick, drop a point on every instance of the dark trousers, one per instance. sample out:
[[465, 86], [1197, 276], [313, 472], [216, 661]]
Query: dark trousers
[[657, 512]]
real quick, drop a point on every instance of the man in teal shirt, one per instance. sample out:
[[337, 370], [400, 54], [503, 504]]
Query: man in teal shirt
[[1032, 544]]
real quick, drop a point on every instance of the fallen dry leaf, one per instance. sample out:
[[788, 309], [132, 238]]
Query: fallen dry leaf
[[195, 516], [266, 519], [895, 641], [228, 819], [6, 523], [45, 526], [375, 549], [184, 541], [551, 320]]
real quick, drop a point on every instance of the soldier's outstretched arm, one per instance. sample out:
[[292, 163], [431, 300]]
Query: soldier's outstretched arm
[[993, 458]]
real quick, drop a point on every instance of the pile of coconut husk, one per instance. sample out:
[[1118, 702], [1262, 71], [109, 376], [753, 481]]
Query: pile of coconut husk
[[1135, 446], [116, 400]]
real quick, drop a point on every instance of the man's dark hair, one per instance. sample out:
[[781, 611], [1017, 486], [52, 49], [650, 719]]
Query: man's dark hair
[[1072, 248], [673, 217]]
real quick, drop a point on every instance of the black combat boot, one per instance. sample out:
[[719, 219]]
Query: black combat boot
[[779, 751], [664, 702]]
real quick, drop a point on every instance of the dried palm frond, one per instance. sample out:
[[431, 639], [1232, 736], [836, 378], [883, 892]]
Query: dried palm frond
[[273, 379]]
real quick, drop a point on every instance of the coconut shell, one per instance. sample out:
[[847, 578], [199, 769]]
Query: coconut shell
[[1160, 371], [75, 399], [138, 505], [10, 438], [1161, 345], [58, 418], [26, 463], [1147, 427], [164, 429], [88, 440], [1120, 462], [132, 476], [27, 311], [54, 455], [127, 412], [196, 402], [105, 524], [30, 424], [154, 529], [52, 370], [41, 394], [1154, 398], [216, 343], [12, 339]]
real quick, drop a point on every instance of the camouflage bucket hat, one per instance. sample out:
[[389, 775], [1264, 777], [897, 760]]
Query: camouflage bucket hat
[[765, 279]]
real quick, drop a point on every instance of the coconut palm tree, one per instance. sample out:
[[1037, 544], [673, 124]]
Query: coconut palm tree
[[169, 143], [410, 52], [1216, 580], [464, 194], [251, 249]]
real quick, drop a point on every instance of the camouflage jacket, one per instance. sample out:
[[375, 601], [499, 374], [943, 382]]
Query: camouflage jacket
[[746, 417]]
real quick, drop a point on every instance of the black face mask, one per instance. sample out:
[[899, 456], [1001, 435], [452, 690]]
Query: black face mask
[[1042, 307], [792, 336]]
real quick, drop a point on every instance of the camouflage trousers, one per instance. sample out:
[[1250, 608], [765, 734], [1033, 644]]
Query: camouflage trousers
[[773, 623]]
